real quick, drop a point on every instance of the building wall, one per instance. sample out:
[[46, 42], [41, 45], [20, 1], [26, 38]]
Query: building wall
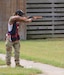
[[7, 8]]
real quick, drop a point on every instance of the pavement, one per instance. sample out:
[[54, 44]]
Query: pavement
[[45, 68]]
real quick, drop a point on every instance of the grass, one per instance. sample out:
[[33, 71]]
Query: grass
[[44, 51], [17, 70], [2, 62]]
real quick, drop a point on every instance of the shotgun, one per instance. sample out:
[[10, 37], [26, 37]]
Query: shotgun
[[35, 17]]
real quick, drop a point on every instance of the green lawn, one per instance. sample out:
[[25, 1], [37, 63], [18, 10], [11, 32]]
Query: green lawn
[[2, 62], [17, 70], [44, 51]]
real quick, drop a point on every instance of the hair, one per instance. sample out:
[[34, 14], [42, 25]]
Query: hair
[[19, 12]]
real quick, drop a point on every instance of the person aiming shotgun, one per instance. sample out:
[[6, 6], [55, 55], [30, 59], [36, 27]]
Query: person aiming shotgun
[[12, 36]]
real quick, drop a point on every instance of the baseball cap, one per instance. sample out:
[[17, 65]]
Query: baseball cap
[[19, 12]]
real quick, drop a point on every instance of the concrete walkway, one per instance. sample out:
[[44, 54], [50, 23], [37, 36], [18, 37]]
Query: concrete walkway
[[46, 69]]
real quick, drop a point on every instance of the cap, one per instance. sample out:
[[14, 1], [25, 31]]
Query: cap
[[19, 12]]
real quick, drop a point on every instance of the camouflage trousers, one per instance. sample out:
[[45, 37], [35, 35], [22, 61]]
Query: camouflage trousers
[[16, 47]]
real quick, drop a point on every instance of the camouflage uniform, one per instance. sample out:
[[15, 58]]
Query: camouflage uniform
[[16, 46]]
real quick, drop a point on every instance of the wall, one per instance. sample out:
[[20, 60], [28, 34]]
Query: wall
[[7, 8]]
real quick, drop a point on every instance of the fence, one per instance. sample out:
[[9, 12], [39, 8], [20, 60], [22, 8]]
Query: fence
[[52, 24]]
